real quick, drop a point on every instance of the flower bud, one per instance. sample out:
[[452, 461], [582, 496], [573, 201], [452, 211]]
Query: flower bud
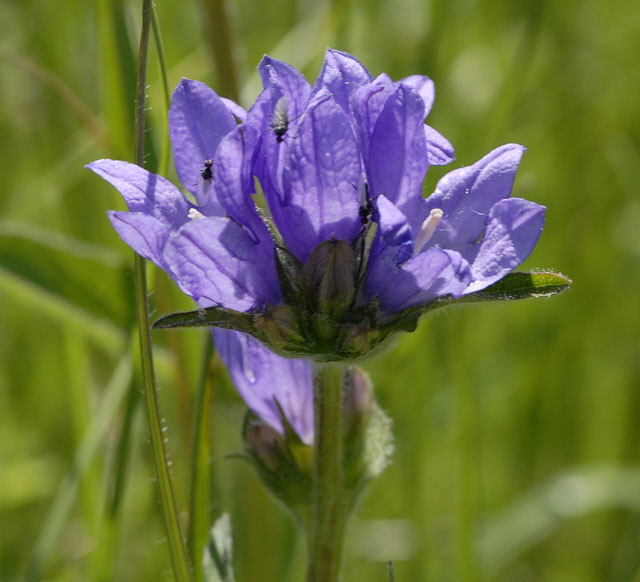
[[357, 402], [280, 326], [264, 443], [368, 441], [360, 338], [330, 277], [289, 274], [283, 462]]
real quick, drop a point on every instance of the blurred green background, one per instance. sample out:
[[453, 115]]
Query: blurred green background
[[517, 425]]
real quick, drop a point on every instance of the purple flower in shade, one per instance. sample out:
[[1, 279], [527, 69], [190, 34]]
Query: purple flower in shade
[[271, 386], [344, 250]]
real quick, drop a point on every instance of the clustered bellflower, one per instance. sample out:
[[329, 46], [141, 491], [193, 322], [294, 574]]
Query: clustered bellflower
[[305, 228]]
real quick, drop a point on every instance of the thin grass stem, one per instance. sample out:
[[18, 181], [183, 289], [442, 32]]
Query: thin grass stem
[[177, 550], [165, 150]]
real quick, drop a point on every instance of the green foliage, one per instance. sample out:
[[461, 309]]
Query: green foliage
[[518, 285], [516, 424]]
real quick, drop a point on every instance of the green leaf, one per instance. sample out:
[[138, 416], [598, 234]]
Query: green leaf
[[210, 317], [88, 448], [91, 278], [510, 287], [521, 286], [43, 301]]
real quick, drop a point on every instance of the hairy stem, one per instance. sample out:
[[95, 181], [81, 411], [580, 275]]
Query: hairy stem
[[200, 513], [329, 515], [177, 549]]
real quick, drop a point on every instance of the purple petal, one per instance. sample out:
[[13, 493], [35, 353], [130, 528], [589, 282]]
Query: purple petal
[[320, 178], [393, 231], [215, 261], [439, 150], [208, 203], [143, 233], [368, 103], [467, 194], [512, 232], [285, 81], [233, 180], [236, 110], [144, 192], [262, 378], [198, 120], [285, 89], [341, 75], [398, 161], [430, 274], [425, 88], [282, 84]]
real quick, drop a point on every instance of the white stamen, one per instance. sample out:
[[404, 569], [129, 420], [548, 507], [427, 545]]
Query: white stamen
[[195, 214], [427, 229]]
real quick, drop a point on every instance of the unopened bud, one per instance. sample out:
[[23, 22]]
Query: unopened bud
[[280, 325], [357, 401], [330, 277], [367, 437], [289, 273], [265, 443], [360, 338], [282, 462]]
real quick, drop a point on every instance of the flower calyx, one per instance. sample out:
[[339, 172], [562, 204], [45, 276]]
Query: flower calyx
[[323, 316]]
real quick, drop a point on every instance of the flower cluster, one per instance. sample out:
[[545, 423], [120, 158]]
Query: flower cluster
[[306, 226]]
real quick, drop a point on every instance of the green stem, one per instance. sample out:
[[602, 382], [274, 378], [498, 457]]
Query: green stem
[[391, 575], [329, 515], [200, 517], [468, 444], [177, 549], [220, 35], [165, 155]]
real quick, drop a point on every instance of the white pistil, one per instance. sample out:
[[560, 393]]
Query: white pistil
[[427, 229], [195, 214]]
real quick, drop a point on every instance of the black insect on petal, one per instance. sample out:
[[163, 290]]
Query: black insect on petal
[[206, 172], [366, 210], [362, 243], [280, 121]]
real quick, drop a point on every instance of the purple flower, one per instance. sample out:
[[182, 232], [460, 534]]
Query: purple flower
[[344, 250], [270, 385]]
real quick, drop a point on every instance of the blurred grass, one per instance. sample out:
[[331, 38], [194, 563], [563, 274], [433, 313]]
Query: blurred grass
[[516, 424]]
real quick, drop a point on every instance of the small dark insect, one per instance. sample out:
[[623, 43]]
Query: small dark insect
[[280, 121], [206, 173], [366, 209], [363, 242]]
